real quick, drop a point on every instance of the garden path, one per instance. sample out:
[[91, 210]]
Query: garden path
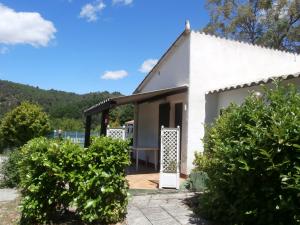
[[8, 194], [162, 209]]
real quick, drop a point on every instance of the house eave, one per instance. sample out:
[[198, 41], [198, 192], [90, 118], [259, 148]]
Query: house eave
[[161, 60], [255, 83], [135, 98]]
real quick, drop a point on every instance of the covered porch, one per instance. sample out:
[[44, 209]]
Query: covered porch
[[152, 110]]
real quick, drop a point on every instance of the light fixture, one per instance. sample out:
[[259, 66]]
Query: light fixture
[[257, 94]]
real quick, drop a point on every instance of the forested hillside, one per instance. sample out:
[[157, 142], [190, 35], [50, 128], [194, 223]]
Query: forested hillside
[[64, 108]]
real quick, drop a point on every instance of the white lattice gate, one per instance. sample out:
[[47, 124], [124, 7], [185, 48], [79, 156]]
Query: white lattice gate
[[169, 158], [116, 133]]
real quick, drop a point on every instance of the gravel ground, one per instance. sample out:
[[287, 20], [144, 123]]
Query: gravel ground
[[9, 202], [2, 159]]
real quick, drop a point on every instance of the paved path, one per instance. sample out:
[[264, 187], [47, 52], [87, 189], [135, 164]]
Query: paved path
[[8, 194], [161, 209]]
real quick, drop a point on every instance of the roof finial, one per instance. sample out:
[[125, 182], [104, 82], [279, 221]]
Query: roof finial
[[187, 26]]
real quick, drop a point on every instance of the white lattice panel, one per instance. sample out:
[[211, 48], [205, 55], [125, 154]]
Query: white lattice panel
[[169, 167], [169, 150], [116, 133]]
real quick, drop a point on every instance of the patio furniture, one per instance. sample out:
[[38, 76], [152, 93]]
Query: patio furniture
[[138, 149]]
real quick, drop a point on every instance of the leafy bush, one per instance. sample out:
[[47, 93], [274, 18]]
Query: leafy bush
[[23, 123], [44, 178], [9, 170], [102, 186], [59, 174], [197, 181], [252, 158]]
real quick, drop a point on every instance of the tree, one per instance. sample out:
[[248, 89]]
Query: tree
[[22, 124], [271, 23], [67, 124]]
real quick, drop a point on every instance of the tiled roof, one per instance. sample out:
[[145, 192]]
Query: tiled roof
[[255, 83]]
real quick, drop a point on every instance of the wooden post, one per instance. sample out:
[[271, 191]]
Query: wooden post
[[135, 125], [104, 122], [87, 137], [135, 135]]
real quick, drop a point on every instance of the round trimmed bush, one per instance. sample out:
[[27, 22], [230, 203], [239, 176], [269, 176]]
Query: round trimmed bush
[[59, 175], [22, 124]]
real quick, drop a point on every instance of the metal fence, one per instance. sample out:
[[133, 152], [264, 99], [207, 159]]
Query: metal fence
[[74, 136]]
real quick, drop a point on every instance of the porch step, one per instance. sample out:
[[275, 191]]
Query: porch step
[[138, 192]]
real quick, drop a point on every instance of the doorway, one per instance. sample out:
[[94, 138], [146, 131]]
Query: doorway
[[164, 115], [164, 120], [178, 122]]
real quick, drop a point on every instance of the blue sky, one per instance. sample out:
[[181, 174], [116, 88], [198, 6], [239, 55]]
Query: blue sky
[[86, 46]]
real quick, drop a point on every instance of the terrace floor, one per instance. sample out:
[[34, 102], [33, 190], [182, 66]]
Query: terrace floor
[[145, 178], [143, 181]]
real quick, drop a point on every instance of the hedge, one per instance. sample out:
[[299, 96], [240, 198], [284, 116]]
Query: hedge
[[59, 175], [252, 158]]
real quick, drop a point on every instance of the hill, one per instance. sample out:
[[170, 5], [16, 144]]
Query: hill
[[64, 108]]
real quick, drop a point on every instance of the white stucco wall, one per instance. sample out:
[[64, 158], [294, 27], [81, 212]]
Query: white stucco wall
[[205, 63], [148, 121], [173, 70], [238, 95], [217, 63]]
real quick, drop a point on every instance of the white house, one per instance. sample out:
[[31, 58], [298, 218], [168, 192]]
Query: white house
[[196, 77]]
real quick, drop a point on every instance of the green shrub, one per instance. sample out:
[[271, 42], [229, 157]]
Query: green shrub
[[102, 187], [252, 158], [10, 170], [197, 181], [44, 171], [58, 174], [23, 123]]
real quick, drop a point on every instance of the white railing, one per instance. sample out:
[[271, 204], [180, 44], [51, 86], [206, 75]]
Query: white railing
[[169, 158], [116, 133]]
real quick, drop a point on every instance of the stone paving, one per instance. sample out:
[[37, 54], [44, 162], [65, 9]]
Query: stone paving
[[161, 209], [8, 194]]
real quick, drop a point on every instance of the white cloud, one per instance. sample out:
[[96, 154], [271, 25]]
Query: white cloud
[[147, 65], [4, 50], [91, 11], [24, 28], [122, 2], [114, 75]]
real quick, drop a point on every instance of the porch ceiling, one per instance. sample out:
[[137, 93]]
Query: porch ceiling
[[135, 98]]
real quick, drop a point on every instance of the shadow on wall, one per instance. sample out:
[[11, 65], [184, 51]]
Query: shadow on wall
[[211, 107]]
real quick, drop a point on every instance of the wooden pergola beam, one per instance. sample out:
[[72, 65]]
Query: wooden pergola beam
[[99, 108]]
